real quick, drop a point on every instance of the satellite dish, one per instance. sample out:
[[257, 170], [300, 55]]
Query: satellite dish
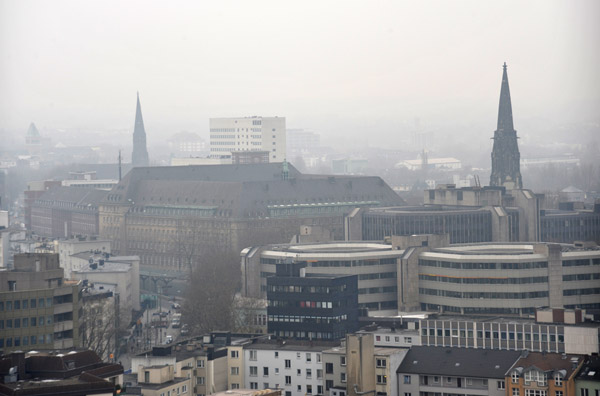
[[12, 370]]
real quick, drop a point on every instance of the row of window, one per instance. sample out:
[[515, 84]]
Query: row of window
[[306, 289], [484, 281], [488, 334], [24, 322], [581, 277], [308, 319], [316, 335], [581, 292], [484, 295], [25, 304], [307, 304], [483, 266], [377, 290], [580, 262], [10, 342]]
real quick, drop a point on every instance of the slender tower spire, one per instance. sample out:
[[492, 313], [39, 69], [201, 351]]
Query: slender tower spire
[[506, 169], [139, 157]]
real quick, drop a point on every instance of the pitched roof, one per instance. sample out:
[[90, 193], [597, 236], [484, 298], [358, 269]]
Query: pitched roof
[[549, 362], [244, 190], [76, 195], [466, 362]]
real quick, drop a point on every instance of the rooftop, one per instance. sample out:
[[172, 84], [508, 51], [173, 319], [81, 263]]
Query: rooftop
[[469, 362]]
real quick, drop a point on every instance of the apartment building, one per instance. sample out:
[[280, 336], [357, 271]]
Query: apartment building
[[543, 374], [430, 371], [296, 367], [161, 381], [359, 366], [229, 135], [39, 309]]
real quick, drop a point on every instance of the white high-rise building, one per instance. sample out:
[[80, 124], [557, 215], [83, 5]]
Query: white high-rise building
[[229, 135]]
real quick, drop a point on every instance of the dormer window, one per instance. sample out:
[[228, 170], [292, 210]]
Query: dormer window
[[515, 377], [558, 379]]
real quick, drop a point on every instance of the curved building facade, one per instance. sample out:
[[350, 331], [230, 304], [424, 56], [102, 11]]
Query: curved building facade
[[508, 278], [375, 265]]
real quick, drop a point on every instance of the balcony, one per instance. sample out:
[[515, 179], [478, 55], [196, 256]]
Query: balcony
[[63, 326], [63, 308]]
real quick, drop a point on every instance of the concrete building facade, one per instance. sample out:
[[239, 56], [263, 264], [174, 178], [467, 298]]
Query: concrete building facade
[[228, 135], [39, 309]]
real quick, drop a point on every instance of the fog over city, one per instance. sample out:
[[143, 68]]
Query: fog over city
[[358, 73]]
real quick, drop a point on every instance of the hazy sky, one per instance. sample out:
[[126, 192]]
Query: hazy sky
[[66, 64]]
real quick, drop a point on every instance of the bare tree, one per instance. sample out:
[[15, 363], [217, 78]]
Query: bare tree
[[102, 322], [210, 296], [250, 315]]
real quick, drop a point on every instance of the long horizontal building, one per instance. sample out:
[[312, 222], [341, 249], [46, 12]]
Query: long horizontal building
[[64, 211], [474, 214], [495, 278], [167, 215]]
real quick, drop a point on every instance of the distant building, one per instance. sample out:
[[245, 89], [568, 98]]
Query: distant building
[[228, 135], [159, 213], [506, 170], [442, 164], [62, 212], [250, 157], [139, 157], [185, 144], [38, 308], [35, 189], [300, 141], [349, 166]]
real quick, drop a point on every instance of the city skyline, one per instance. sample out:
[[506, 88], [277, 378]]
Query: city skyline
[[342, 71]]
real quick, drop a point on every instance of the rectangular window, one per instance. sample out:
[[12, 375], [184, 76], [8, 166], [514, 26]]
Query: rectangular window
[[200, 363], [381, 363], [235, 371], [288, 379], [329, 368], [407, 379], [309, 389], [253, 385], [308, 357], [308, 373], [343, 377], [288, 363], [265, 371], [558, 393], [515, 392], [298, 372], [235, 354], [253, 355], [382, 379], [500, 385], [253, 371], [343, 360]]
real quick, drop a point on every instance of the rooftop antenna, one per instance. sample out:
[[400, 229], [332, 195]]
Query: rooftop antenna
[[119, 165]]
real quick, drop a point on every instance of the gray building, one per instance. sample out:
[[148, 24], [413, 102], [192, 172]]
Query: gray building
[[429, 371], [39, 309]]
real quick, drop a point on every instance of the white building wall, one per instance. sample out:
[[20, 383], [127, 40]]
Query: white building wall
[[248, 134], [581, 340], [275, 361], [73, 246]]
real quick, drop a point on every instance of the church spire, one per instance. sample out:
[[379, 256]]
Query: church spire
[[139, 157], [505, 119], [506, 168]]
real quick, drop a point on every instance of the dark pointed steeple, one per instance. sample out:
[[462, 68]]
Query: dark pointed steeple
[[139, 157], [506, 168], [505, 119]]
